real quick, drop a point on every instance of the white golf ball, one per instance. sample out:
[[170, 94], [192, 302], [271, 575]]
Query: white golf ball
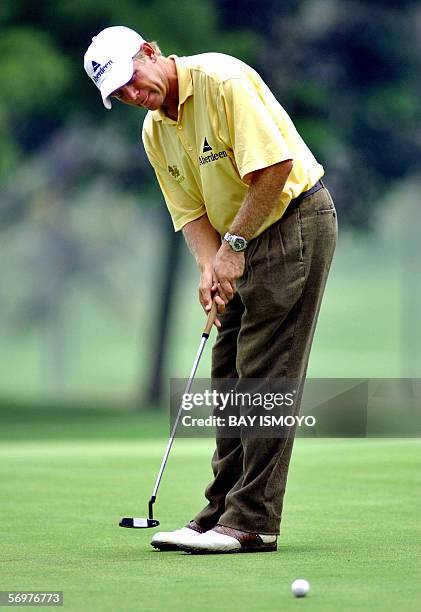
[[300, 587]]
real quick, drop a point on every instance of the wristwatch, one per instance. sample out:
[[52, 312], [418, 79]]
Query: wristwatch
[[237, 243]]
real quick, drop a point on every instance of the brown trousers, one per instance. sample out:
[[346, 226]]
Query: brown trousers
[[267, 332]]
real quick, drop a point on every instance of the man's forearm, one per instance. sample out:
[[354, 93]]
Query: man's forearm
[[203, 240], [263, 195], [220, 266]]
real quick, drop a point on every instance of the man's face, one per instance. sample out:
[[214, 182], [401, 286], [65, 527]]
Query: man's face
[[148, 86]]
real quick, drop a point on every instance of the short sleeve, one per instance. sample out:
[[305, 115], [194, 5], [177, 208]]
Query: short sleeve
[[182, 207], [248, 126]]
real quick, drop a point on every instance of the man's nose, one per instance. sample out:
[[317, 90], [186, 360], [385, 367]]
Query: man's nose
[[129, 92]]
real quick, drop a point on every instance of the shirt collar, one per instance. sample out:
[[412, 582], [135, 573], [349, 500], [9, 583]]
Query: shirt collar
[[185, 88]]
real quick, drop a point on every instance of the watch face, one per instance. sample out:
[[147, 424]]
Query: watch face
[[239, 244]]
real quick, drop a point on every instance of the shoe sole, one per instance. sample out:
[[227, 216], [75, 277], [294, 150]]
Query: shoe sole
[[244, 549]]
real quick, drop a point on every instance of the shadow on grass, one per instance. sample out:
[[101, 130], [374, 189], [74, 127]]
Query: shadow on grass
[[122, 554]]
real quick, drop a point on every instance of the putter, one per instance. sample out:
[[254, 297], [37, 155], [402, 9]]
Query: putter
[[145, 523]]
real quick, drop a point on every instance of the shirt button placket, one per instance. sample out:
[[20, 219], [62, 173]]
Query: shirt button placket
[[186, 146]]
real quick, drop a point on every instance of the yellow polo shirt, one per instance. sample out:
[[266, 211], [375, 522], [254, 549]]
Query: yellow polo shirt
[[229, 124]]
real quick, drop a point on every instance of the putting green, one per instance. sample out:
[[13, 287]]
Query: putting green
[[351, 527]]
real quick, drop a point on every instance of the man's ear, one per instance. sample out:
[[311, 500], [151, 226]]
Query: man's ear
[[148, 50]]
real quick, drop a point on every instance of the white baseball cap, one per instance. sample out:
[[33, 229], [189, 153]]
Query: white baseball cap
[[109, 59]]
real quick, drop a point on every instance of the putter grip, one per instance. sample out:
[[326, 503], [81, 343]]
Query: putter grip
[[211, 319]]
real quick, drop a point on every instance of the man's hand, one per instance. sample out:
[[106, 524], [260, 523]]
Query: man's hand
[[227, 268], [208, 291], [204, 241]]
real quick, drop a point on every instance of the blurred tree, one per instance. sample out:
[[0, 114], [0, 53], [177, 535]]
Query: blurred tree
[[41, 61], [28, 62], [45, 191], [348, 73]]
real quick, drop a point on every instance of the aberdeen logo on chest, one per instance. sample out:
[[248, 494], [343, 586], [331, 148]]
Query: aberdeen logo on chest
[[212, 157], [206, 159]]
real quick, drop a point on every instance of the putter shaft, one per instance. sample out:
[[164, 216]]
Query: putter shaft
[[205, 335]]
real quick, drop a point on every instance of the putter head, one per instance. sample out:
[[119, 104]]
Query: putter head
[[138, 523]]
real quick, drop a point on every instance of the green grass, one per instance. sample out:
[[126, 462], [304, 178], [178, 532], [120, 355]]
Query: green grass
[[68, 473], [351, 523], [85, 420]]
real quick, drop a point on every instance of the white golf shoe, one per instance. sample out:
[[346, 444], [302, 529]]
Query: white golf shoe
[[223, 539], [169, 540]]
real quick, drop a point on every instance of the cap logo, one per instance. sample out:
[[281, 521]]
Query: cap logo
[[101, 71], [95, 66]]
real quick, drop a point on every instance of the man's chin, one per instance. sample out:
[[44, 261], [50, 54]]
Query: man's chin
[[153, 106]]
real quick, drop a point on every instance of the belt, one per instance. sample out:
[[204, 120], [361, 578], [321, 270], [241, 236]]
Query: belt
[[319, 185]]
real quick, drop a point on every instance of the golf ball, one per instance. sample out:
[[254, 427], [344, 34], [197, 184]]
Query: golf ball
[[300, 587]]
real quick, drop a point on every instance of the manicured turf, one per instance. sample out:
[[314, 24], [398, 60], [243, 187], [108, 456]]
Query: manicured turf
[[351, 527]]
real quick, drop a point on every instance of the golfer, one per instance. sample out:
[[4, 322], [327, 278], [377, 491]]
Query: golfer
[[246, 191]]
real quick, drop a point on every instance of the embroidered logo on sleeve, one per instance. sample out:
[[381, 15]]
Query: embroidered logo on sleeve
[[175, 173]]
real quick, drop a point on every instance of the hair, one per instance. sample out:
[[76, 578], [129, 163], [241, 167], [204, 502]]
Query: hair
[[140, 55]]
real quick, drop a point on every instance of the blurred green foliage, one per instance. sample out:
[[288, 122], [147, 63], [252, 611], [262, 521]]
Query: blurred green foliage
[[347, 72], [42, 79]]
